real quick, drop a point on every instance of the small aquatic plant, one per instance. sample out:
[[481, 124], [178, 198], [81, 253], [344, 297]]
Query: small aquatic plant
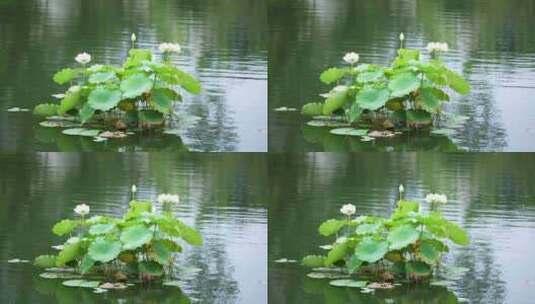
[[139, 246], [139, 94], [409, 245], [409, 93]]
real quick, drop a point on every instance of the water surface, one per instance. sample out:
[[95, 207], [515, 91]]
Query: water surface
[[492, 45], [224, 46], [222, 196], [490, 195]]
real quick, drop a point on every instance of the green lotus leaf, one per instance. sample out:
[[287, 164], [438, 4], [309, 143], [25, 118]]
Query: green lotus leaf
[[65, 227], [335, 101], [86, 112], [417, 269], [160, 252], [135, 236], [81, 132], [104, 99], [313, 261], [101, 228], [349, 132], [101, 77], [327, 123], [69, 253], [65, 75], [103, 250], [151, 268], [187, 82], [420, 117], [86, 264], [457, 82], [372, 98], [456, 234], [428, 253], [348, 283], [370, 76], [331, 227], [402, 236], [46, 109], [354, 264], [402, 84], [151, 117], [336, 254], [368, 228], [81, 283], [428, 100], [370, 250], [312, 109], [332, 75], [171, 245], [327, 275], [190, 235], [69, 102], [137, 56], [354, 112], [162, 99], [45, 261], [135, 85]]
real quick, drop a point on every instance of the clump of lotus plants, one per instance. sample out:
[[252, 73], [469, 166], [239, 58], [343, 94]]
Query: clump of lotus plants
[[139, 94], [409, 245], [141, 245], [407, 94]]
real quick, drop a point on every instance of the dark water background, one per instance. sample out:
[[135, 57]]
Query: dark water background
[[492, 43], [222, 196], [490, 195], [223, 43]]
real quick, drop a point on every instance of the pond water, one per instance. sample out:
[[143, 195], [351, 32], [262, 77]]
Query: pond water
[[492, 44], [222, 196], [490, 195], [223, 43]]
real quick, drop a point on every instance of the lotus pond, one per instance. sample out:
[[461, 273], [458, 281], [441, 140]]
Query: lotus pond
[[225, 52], [490, 45], [488, 195], [97, 232]]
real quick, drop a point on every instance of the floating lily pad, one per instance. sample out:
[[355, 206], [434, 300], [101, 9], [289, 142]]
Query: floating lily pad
[[81, 132], [443, 131], [81, 283], [348, 283], [99, 290], [442, 283], [349, 132], [59, 275], [173, 283], [17, 109], [327, 123], [285, 260], [17, 260], [326, 247], [58, 124], [284, 109], [330, 118], [329, 269], [327, 275]]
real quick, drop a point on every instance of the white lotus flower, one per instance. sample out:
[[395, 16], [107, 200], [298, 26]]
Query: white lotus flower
[[436, 198], [401, 189], [401, 37], [168, 198], [83, 58], [133, 37], [348, 209], [167, 47], [437, 47], [134, 189], [81, 209], [351, 58]]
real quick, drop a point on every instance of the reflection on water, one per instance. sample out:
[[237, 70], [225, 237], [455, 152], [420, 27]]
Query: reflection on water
[[223, 42], [222, 196], [491, 195], [491, 43]]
